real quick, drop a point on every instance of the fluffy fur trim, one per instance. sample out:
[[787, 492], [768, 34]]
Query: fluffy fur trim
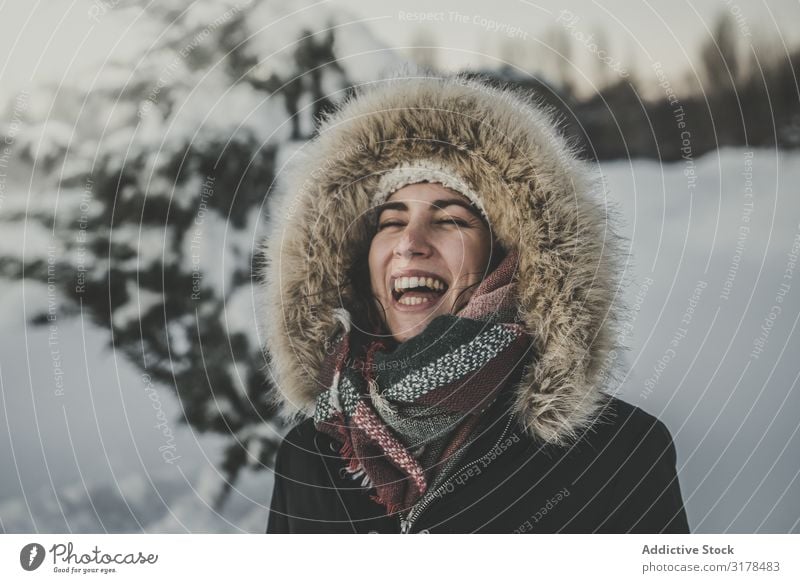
[[536, 193]]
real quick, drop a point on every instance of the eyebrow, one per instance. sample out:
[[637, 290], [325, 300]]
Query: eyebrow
[[439, 204]]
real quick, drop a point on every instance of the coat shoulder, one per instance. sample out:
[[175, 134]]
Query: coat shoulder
[[302, 435], [621, 420], [302, 452], [645, 491]]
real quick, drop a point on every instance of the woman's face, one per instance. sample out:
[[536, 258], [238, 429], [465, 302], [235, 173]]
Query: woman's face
[[430, 246]]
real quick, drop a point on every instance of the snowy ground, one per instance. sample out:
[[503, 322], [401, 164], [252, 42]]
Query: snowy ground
[[732, 410], [87, 459]]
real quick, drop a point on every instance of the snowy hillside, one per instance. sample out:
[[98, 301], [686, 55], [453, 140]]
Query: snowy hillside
[[714, 341]]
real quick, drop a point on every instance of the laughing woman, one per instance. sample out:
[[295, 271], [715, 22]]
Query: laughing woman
[[439, 312]]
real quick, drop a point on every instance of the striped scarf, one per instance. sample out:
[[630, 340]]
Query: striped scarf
[[404, 415]]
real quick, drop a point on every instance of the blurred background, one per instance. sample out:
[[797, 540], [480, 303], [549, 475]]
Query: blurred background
[[140, 140]]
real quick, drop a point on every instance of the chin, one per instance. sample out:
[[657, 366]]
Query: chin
[[407, 328]]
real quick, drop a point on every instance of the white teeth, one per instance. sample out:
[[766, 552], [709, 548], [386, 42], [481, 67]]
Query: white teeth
[[409, 301], [406, 283]]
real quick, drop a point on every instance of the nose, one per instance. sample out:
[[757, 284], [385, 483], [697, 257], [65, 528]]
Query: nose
[[412, 242]]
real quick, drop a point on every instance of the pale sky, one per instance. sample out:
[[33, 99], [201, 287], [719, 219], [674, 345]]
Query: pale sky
[[665, 31], [41, 41]]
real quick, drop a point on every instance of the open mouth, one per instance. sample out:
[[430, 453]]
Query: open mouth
[[418, 290]]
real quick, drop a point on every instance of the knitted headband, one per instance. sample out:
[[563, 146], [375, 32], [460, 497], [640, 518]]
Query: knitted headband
[[424, 170]]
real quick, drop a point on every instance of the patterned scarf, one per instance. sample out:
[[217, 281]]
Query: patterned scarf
[[404, 414]]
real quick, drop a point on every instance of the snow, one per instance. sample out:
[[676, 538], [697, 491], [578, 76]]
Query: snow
[[236, 377], [28, 242], [101, 432], [179, 342], [276, 28], [140, 301], [212, 262], [729, 412], [239, 315], [202, 14], [46, 141], [213, 111], [149, 243], [363, 56], [305, 112]]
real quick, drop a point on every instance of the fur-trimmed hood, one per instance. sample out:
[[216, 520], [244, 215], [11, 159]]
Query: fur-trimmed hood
[[538, 196]]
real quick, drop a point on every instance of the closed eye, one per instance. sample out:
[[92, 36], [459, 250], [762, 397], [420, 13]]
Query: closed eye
[[389, 224], [454, 220], [448, 221]]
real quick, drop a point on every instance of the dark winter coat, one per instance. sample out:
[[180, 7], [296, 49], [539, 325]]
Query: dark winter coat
[[570, 459], [619, 477]]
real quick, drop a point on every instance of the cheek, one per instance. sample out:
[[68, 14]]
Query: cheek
[[482, 250], [376, 266], [469, 255]]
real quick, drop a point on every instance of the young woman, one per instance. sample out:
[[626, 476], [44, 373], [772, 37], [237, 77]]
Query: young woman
[[439, 309]]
